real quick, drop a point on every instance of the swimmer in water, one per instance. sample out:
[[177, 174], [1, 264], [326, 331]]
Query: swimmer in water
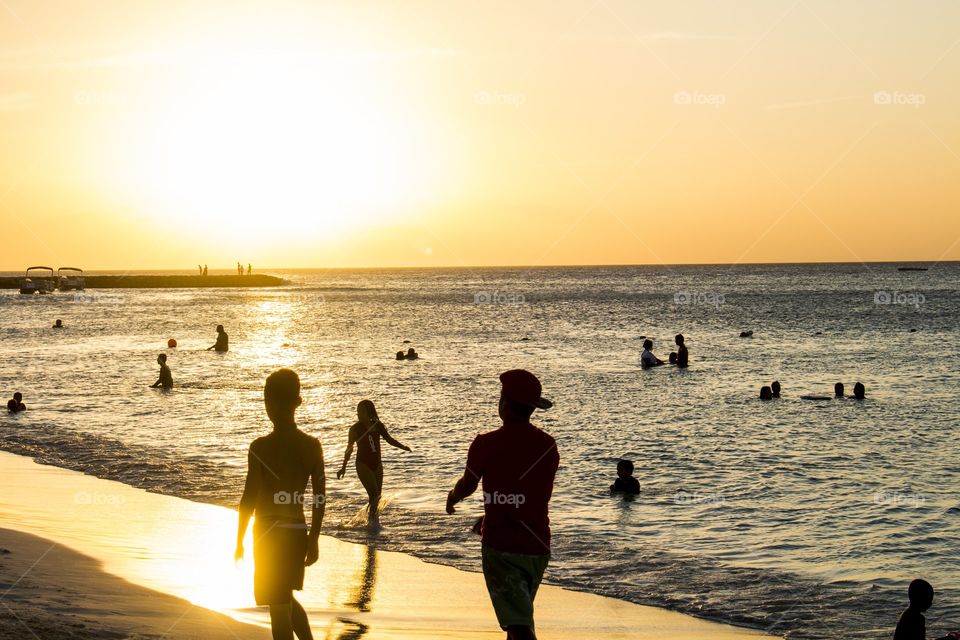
[[366, 434], [400, 355], [412, 354], [12, 406], [766, 393], [647, 359], [625, 482], [838, 390], [165, 381], [912, 625], [18, 399], [58, 324], [859, 391], [673, 357], [683, 356], [775, 388], [223, 341]]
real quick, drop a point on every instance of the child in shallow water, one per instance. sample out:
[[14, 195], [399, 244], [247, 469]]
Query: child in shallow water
[[912, 625], [625, 482]]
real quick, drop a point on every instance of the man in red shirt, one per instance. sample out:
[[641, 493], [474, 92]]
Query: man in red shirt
[[517, 463]]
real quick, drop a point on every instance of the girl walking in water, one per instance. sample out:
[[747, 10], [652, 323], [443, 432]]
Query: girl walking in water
[[366, 434]]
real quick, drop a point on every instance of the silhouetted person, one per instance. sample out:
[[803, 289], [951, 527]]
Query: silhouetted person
[[165, 381], [412, 354], [12, 406], [766, 393], [625, 482], [205, 270], [912, 624], [279, 466], [223, 341], [775, 389], [200, 269], [18, 397], [859, 391], [647, 359], [400, 355], [517, 464], [838, 390], [683, 357], [366, 434], [58, 324], [673, 357], [249, 269], [239, 269]]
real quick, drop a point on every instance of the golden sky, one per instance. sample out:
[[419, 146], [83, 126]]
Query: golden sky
[[148, 134]]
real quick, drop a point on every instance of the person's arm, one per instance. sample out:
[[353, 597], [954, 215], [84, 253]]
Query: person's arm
[[156, 384], [319, 478], [391, 441], [211, 348], [346, 456], [251, 489], [467, 484]]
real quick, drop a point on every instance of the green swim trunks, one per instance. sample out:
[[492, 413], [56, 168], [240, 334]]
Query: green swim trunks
[[512, 581]]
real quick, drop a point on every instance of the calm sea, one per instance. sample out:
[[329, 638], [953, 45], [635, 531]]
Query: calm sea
[[801, 517]]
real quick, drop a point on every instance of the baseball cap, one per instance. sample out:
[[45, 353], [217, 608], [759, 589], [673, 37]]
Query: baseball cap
[[523, 387]]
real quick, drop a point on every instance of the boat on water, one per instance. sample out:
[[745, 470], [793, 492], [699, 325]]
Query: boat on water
[[70, 279], [912, 268], [38, 280]]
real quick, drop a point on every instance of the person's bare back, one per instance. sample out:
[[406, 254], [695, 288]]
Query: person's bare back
[[280, 465]]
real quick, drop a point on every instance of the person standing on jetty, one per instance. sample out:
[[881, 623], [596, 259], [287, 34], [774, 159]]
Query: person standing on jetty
[[279, 466], [223, 341], [517, 464], [366, 434], [165, 381]]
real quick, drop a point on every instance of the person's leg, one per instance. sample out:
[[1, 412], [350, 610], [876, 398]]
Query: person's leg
[[301, 626], [515, 632], [280, 622], [369, 480]]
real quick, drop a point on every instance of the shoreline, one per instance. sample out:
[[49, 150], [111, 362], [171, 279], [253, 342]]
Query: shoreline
[[161, 282], [183, 550]]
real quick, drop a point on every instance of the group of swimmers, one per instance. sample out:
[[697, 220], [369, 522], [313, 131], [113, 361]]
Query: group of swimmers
[[411, 354], [15, 404], [773, 391], [165, 381], [680, 357]]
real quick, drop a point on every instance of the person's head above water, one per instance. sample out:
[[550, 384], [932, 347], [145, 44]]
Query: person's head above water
[[411, 351], [12, 405], [281, 395], [775, 388], [399, 355], [766, 393], [625, 468], [366, 411], [679, 339], [18, 397], [648, 344], [859, 391], [838, 390], [673, 357], [219, 328], [58, 323], [920, 593], [162, 358], [520, 395]]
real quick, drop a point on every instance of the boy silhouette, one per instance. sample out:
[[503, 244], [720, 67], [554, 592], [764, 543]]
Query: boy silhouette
[[912, 625], [279, 466]]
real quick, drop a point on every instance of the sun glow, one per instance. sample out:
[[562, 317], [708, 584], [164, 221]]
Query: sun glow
[[262, 144]]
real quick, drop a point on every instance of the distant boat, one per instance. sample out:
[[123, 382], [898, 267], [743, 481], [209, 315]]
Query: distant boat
[[38, 280], [70, 278], [912, 268]]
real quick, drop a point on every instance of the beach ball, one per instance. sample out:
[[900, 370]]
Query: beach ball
[[171, 343]]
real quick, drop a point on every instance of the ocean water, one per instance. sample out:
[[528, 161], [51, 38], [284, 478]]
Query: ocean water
[[804, 518]]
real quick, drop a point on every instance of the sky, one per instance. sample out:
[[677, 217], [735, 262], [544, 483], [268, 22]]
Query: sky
[[162, 135]]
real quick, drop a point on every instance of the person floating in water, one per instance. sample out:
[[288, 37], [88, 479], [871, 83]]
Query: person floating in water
[[775, 389], [15, 404], [517, 464], [647, 359], [912, 625], [625, 482], [165, 381], [673, 357], [223, 341], [58, 324], [279, 465], [412, 354], [859, 391], [400, 355], [838, 390], [366, 434], [766, 393], [683, 356]]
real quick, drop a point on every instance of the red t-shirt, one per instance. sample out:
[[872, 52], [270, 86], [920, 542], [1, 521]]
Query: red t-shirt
[[517, 463]]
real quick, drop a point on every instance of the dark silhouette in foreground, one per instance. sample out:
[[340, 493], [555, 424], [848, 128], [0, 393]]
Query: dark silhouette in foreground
[[647, 359], [517, 464], [223, 341], [912, 625], [165, 381], [625, 482], [366, 434], [279, 466]]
